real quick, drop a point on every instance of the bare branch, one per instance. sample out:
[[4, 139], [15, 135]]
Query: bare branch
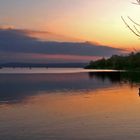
[[136, 29], [133, 28], [135, 50], [133, 21], [138, 2], [130, 27], [135, 3]]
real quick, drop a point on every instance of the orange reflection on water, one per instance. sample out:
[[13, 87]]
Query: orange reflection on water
[[112, 99], [108, 113]]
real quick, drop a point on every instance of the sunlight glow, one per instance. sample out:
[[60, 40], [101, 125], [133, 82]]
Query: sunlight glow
[[76, 20]]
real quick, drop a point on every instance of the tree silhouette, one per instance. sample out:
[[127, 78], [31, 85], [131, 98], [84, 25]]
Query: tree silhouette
[[129, 62]]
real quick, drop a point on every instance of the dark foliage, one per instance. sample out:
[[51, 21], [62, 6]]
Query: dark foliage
[[129, 62]]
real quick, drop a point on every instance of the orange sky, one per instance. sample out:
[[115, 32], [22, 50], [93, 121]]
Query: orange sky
[[75, 20]]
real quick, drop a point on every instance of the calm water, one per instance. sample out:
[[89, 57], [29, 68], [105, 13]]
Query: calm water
[[69, 105]]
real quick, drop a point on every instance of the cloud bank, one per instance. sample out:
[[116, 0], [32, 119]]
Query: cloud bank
[[14, 42]]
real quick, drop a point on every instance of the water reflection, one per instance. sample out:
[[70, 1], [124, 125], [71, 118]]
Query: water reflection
[[118, 77], [113, 77], [77, 106], [16, 88]]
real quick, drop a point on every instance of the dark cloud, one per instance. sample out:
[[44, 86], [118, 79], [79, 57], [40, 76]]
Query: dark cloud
[[18, 41]]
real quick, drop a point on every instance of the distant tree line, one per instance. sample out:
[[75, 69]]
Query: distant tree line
[[118, 62]]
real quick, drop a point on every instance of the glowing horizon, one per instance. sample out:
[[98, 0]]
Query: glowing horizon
[[95, 21], [80, 21]]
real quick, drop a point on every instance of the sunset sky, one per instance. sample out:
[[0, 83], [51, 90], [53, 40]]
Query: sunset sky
[[79, 21]]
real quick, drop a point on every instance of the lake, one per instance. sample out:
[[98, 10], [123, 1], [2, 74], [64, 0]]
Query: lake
[[69, 104]]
